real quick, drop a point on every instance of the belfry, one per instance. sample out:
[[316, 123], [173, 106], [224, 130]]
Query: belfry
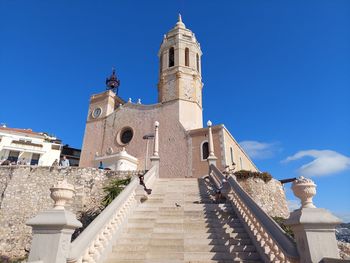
[[180, 74]]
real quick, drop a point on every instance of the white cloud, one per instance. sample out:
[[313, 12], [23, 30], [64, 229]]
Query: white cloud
[[259, 150], [325, 162], [293, 205]]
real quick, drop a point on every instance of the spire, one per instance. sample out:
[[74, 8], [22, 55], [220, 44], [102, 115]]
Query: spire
[[179, 23]]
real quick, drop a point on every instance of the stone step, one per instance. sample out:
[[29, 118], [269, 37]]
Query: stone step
[[217, 241], [180, 222], [187, 242], [148, 249], [181, 261], [185, 235], [195, 256], [188, 256], [200, 230], [178, 228], [155, 248], [219, 248]]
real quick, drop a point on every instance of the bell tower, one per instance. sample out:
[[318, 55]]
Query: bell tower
[[180, 77]]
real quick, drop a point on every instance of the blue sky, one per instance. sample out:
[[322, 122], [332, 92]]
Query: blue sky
[[280, 70]]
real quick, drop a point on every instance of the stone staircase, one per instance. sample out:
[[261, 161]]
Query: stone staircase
[[181, 222]]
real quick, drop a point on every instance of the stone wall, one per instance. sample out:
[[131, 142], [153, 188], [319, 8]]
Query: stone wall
[[269, 196], [101, 136], [24, 191]]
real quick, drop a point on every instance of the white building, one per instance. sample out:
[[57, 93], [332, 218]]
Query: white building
[[27, 147]]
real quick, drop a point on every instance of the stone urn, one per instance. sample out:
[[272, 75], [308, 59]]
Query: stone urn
[[304, 189], [61, 193]]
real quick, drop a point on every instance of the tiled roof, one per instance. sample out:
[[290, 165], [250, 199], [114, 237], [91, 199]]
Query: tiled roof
[[25, 131]]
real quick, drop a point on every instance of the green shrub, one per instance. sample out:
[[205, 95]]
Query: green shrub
[[243, 174], [86, 217], [112, 190], [287, 229]]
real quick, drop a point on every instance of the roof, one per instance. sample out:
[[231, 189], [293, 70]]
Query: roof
[[23, 131], [205, 129]]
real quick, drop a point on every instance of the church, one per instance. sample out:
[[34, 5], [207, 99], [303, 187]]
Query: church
[[117, 126], [184, 208]]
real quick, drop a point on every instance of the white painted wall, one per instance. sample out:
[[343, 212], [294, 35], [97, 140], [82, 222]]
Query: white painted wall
[[47, 154]]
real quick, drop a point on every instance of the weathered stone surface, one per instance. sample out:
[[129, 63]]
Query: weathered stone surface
[[269, 196], [24, 191], [344, 250]]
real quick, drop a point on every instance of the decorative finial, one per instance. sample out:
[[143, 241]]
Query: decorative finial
[[304, 189], [139, 101], [61, 193], [129, 100], [113, 82], [179, 23]]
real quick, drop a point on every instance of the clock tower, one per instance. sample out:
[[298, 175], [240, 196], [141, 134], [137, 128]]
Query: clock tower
[[180, 79]]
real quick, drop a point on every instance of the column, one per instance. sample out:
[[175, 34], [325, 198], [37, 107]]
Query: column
[[314, 228], [155, 157], [211, 158], [53, 229]]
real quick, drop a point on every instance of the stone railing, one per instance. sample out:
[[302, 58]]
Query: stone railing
[[270, 240], [53, 229], [313, 228], [96, 241]]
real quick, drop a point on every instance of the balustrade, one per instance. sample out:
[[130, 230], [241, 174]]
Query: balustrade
[[264, 232]]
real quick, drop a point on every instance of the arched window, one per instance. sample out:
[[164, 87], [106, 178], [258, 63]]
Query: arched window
[[171, 57], [197, 59], [205, 151], [187, 57], [161, 62], [231, 151]]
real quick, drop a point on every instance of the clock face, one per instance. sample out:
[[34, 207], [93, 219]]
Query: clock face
[[96, 113]]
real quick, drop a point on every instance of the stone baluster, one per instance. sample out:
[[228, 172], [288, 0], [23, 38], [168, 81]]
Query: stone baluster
[[155, 157], [211, 158], [268, 245], [53, 229], [314, 228]]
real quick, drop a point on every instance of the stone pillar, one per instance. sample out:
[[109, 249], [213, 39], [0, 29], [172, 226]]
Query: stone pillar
[[314, 228], [53, 229], [155, 157], [211, 158]]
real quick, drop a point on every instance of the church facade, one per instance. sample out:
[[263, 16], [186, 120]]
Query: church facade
[[113, 124]]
